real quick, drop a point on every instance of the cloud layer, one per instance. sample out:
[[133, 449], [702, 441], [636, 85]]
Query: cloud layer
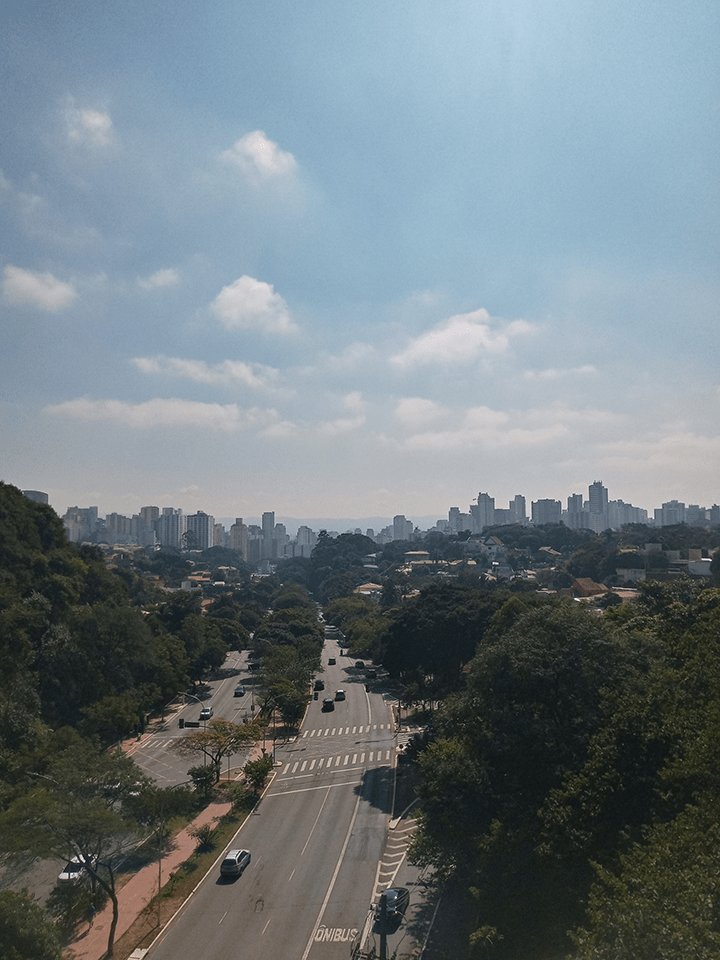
[[41, 290]]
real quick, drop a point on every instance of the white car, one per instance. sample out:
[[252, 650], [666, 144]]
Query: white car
[[206, 713], [73, 870]]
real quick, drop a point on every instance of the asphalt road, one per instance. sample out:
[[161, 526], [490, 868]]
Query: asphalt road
[[317, 839], [154, 753]]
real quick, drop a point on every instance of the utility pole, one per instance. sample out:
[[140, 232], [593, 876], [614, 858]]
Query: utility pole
[[383, 926]]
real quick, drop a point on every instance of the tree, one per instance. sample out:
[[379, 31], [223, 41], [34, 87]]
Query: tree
[[256, 772], [26, 932], [77, 805], [221, 739]]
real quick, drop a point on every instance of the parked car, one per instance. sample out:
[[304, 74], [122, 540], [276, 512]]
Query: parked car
[[328, 703], [339, 694], [234, 863], [239, 690], [206, 713], [359, 665], [73, 870], [371, 674], [397, 899]]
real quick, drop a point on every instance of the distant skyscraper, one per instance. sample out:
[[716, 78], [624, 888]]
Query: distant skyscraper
[[267, 550], [239, 537], [518, 510], [402, 528], [482, 513], [200, 531], [170, 527], [546, 511], [576, 513]]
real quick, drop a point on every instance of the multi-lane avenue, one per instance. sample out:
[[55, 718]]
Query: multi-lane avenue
[[317, 839]]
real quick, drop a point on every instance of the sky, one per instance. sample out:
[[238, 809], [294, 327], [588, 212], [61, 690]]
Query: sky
[[351, 260]]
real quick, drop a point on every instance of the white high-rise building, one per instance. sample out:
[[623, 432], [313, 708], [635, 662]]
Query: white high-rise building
[[482, 513], [199, 531], [170, 527]]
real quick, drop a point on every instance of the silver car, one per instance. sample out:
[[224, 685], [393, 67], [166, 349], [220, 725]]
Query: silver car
[[234, 863]]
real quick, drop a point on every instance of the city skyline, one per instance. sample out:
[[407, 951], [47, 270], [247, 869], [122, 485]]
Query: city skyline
[[598, 511], [348, 260]]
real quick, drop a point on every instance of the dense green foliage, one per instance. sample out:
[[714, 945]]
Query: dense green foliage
[[573, 781], [25, 931]]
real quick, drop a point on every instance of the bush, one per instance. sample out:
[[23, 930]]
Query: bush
[[206, 837]]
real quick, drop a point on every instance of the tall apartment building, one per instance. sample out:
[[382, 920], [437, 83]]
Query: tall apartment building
[[670, 513], [170, 527], [268, 548], [239, 538], [576, 517], [402, 528], [482, 513], [80, 523], [517, 509], [546, 511], [199, 531]]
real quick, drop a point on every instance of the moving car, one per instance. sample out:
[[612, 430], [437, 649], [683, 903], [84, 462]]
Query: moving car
[[239, 690], [234, 863], [206, 713], [332, 661], [319, 685], [339, 694], [328, 703], [397, 899], [359, 665]]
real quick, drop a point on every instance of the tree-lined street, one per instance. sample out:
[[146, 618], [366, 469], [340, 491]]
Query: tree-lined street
[[316, 840]]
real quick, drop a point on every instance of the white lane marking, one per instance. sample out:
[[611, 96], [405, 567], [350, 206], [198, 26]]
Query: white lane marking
[[334, 878], [322, 807]]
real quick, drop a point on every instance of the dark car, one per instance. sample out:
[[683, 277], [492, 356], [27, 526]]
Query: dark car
[[234, 863], [332, 661], [371, 674], [359, 665], [328, 703], [319, 685], [239, 690], [397, 899]]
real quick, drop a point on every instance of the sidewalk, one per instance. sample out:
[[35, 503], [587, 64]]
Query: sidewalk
[[135, 895]]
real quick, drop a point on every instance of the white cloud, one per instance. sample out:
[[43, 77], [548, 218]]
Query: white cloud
[[161, 278], [416, 411], [92, 128], [229, 372], [496, 429], [678, 451], [39, 289], [460, 339], [354, 403], [153, 413], [249, 304], [557, 374], [259, 158]]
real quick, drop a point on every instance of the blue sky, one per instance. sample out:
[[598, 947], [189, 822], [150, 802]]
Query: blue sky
[[336, 260]]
